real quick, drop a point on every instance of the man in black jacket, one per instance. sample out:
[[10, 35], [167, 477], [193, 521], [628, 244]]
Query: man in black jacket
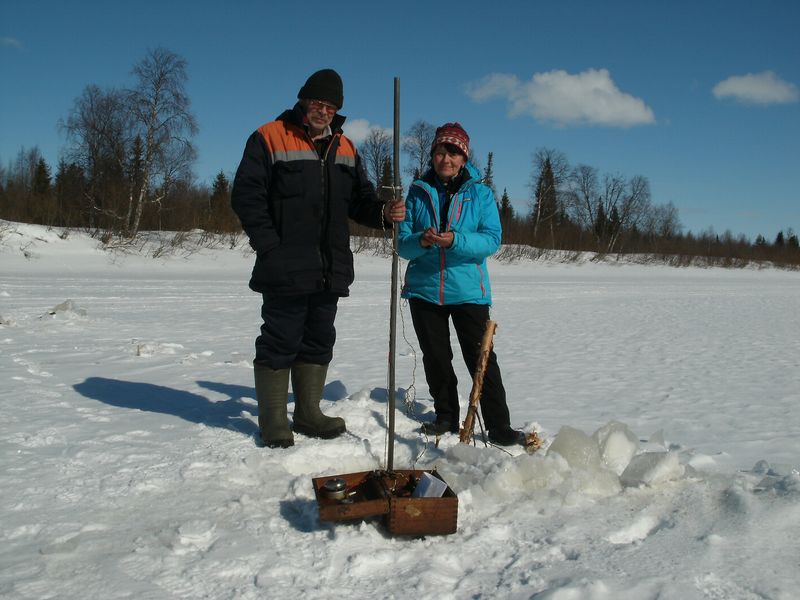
[[299, 181]]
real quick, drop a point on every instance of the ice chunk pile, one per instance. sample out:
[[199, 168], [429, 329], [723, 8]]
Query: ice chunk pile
[[615, 448]]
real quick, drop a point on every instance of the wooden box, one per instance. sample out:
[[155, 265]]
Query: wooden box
[[388, 494]]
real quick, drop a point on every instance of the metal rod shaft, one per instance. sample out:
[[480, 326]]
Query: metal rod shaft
[[393, 308]]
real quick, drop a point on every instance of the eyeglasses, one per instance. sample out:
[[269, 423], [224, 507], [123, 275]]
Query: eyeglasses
[[321, 106]]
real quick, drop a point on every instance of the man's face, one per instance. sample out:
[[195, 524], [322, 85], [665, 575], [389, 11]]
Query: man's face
[[319, 115]]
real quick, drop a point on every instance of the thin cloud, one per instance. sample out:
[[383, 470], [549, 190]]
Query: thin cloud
[[10, 42], [590, 98], [757, 88], [358, 129]]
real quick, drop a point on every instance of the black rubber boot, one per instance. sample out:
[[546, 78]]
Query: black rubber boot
[[308, 382], [505, 436], [272, 393], [441, 426]]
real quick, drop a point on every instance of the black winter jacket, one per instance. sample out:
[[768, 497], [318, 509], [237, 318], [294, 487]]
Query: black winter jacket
[[294, 206]]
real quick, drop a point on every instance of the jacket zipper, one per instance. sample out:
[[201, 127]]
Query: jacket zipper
[[436, 220], [323, 225]]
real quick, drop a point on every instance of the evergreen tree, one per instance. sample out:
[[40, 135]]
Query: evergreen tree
[[600, 222], [506, 210], [41, 179], [614, 223], [779, 240], [41, 207], [386, 183], [220, 189], [220, 217], [70, 192], [545, 208], [488, 174]]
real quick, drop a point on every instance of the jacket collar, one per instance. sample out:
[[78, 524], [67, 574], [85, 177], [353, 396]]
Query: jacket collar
[[469, 175]]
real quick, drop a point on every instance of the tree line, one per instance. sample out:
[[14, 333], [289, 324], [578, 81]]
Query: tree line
[[128, 163], [576, 208]]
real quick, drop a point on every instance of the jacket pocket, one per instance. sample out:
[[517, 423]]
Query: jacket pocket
[[287, 180], [463, 204], [270, 269]]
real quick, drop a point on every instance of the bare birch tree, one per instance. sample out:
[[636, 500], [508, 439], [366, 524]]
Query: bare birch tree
[[375, 150], [662, 221], [632, 205], [609, 210], [417, 145], [141, 136], [164, 124], [582, 195]]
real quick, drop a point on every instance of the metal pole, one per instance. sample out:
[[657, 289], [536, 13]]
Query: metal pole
[[393, 308]]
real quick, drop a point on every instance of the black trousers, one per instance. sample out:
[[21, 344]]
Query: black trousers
[[297, 329], [431, 323]]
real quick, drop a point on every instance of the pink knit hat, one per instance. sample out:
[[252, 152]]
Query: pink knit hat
[[452, 133]]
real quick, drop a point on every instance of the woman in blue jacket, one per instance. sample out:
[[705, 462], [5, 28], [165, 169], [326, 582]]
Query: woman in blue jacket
[[451, 226]]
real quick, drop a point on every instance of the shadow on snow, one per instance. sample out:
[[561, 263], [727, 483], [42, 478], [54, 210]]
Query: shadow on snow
[[226, 414], [195, 408]]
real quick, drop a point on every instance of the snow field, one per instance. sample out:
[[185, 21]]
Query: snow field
[[666, 398]]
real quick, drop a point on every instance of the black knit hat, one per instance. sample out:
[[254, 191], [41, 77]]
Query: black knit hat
[[323, 85]]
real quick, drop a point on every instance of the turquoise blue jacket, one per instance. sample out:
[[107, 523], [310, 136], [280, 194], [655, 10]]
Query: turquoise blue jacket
[[455, 275]]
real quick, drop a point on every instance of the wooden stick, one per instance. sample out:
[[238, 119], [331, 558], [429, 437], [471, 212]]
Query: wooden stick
[[465, 435]]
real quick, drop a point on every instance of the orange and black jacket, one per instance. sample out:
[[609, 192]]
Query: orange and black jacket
[[294, 202]]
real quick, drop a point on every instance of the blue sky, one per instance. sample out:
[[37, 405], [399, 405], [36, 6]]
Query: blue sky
[[701, 97]]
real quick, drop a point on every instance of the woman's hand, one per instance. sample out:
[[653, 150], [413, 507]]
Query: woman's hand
[[431, 237]]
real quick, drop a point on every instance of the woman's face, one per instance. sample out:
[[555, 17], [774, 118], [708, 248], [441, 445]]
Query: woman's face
[[447, 162]]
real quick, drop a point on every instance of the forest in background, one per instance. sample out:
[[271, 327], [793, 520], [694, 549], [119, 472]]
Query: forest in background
[[127, 168]]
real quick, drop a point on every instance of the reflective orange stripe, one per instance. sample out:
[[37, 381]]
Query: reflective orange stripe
[[287, 142]]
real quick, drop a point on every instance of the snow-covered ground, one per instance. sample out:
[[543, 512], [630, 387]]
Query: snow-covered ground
[[667, 400]]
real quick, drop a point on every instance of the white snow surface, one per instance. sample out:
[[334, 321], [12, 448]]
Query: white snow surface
[[667, 399]]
